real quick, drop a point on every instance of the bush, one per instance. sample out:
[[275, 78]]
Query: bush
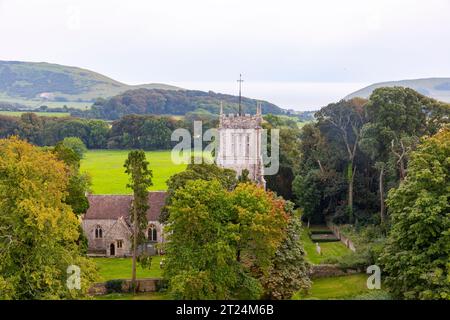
[[114, 286]]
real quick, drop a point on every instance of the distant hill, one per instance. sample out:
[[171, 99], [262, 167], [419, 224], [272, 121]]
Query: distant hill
[[34, 84], [172, 102], [437, 88]]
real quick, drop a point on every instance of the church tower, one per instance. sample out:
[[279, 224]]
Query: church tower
[[240, 142]]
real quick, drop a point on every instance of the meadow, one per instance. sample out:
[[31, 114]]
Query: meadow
[[107, 171]]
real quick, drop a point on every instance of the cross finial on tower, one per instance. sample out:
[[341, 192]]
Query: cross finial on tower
[[240, 97]]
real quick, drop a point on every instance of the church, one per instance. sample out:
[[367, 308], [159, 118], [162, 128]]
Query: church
[[240, 144], [106, 223]]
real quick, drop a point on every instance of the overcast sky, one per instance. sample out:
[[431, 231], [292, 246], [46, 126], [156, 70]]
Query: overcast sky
[[322, 48]]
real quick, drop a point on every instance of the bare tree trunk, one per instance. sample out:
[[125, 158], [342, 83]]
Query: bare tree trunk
[[320, 166], [135, 232], [351, 179], [381, 190], [402, 170]]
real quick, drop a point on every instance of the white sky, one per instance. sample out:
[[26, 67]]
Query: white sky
[[205, 44]]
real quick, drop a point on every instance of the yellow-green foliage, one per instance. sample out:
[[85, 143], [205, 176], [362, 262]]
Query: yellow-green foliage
[[38, 231]]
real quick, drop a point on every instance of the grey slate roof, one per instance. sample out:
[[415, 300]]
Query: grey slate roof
[[116, 206]]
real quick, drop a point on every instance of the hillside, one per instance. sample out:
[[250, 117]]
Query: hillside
[[34, 84], [173, 102], [437, 88]]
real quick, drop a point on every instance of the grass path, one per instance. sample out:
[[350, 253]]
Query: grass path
[[108, 176]]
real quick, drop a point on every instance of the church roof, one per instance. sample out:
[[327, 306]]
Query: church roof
[[115, 206]]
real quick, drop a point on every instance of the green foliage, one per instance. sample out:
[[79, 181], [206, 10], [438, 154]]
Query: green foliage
[[221, 242], [174, 102], [415, 258], [202, 171], [243, 178], [281, 183], [79, 183], [289, 270], [39, 231], [113, 286], [136, 166], [76, 145], [358, 150]]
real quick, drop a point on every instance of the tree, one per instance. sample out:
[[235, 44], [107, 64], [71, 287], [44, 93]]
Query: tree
[[397, 118], [136, 166], [221, 242], [281, 183], [76, 145], [346, 118], [289, 271], [243, 178], [79, 183], [38, 230], [202, 171], [415, 257]]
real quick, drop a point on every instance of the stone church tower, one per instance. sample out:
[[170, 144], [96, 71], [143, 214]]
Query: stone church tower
[[240, 143]]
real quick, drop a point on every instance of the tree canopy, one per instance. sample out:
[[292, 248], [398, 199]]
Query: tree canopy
[[221, 243], [416, 256], [38, 230]]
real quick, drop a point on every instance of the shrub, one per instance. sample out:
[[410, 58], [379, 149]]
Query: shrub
[[114, 286]]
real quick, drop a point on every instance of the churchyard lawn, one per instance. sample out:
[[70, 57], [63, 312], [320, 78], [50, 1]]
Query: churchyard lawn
[[329, 249], [120, 268], [344, 287]]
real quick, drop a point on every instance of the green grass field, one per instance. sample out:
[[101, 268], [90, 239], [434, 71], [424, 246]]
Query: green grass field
[[345, 287], [329, 249], [41, 114], [107, 171], [120, 268]]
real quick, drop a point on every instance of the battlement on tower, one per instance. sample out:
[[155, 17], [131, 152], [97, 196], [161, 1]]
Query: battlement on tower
[[236, 121]]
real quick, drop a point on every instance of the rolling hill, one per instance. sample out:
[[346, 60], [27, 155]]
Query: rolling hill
[[437, 88], [32, 84], [172, 102]]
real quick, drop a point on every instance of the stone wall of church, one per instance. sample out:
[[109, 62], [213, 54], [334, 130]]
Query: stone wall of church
[[240, 145], [116, 233]]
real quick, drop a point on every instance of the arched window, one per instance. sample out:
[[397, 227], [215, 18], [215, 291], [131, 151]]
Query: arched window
[[98, 232], [152, 233]]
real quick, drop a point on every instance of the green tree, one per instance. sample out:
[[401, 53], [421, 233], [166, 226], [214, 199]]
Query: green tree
[[76, 145], [289, 271], [136, 166], [416, 257], [221, 242], [79, 183], [243, 178], [397, 117], [202, 171], [38, 230], [345, 120]]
